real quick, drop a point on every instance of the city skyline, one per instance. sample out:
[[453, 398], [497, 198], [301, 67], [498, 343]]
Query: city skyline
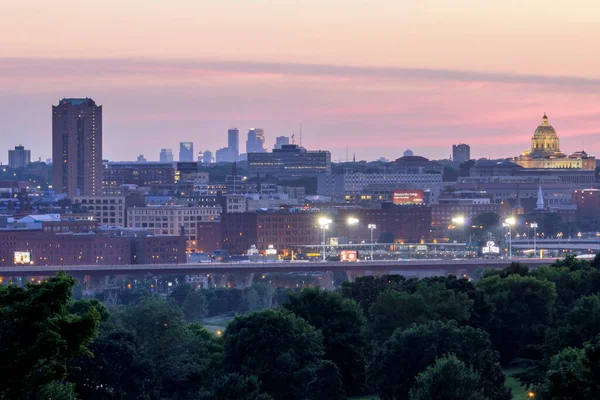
[[404, 78]]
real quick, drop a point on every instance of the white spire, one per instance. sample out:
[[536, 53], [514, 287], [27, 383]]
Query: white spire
[[540, 199]]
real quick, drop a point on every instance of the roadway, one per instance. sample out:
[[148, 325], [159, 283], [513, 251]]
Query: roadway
[[440, 266]]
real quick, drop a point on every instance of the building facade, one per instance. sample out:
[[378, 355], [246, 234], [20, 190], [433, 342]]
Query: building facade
[[280, 141], [172, 220], [77, 147], [588, 202], [461, 152], [186, 151], [233, 144], [109, 210], [290, 161], [409, 224], [256, 141], [166, 156], [156, 175], [19, 157], [442, 214], [283, 230]]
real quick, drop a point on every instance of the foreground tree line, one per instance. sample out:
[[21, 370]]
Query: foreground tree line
[[405, 339]]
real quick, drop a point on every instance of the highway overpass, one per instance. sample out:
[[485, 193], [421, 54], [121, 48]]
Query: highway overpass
[[439, 267]]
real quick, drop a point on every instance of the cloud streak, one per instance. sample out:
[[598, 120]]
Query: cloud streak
[[28, 67], [152, 104]]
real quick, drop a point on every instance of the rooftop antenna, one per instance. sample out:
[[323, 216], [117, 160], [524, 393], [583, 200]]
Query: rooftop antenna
[[300, 134]]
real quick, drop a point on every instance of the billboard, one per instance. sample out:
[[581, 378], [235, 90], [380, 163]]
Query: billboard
[[490, 248], [348, 255], [22, 257], [404, 197]]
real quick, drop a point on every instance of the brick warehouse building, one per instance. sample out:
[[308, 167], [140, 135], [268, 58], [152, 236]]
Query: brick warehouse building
[[46, 247], [405, 223], [281, 229]]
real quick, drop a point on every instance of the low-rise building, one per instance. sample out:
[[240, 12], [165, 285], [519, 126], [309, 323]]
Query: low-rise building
[[172, 220]]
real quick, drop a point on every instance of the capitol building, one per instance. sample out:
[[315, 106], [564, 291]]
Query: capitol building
[[545, 152]]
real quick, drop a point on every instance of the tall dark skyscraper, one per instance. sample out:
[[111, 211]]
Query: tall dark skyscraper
[[233, 143], [77, 147], [461, 152], [186, 151], [256, 141]]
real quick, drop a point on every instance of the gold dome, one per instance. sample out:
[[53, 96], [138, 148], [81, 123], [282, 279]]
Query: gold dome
[[545, 140]]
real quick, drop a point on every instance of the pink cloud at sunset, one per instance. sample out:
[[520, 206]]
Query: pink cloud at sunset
[[394, 108]]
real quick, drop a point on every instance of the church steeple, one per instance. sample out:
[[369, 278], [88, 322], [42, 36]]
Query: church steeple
[[540, 199]]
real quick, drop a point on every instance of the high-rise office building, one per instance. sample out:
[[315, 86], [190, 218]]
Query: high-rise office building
[[256, 141], [19, 157], [461, 152], [77, 147], [207, 157], [166, 155], [233, 143], [280, 141], [186, 151]]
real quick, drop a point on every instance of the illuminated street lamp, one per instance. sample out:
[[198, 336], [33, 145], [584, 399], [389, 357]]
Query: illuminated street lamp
[[579, 235], [324, 222], [372, 227], [534, 225], [508, 223]]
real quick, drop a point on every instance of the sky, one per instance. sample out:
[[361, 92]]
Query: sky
[[369, 78]]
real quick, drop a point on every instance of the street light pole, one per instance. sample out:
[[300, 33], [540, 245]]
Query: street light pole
[[324, 222], [534, 225], [509, 222], [372, 227], [353, 224]]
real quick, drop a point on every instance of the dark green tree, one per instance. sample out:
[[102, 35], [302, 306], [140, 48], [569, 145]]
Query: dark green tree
[[364, 290], [326, 384], [522, 311], [340, 321], [409, 352], [448, 379], [582, 323], [195, 306], [39, 333], [281, 349], [237, 387], [393, 310], [566, 377]]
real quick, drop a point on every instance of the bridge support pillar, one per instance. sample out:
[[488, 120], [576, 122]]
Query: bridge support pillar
[[243, 280], [218, 280], [353, 274]]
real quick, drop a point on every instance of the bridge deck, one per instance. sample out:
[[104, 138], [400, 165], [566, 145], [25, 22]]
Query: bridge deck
[[200, 268]]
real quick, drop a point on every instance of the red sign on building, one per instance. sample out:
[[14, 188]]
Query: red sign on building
[[408, 197], [348, 255]]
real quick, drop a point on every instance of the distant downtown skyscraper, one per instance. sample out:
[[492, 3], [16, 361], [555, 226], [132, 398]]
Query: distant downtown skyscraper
[[233, 143], [19, 157], [280, 141], [77, 147], [186, 151], [461, 152], [166, 155], [256, 141]]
